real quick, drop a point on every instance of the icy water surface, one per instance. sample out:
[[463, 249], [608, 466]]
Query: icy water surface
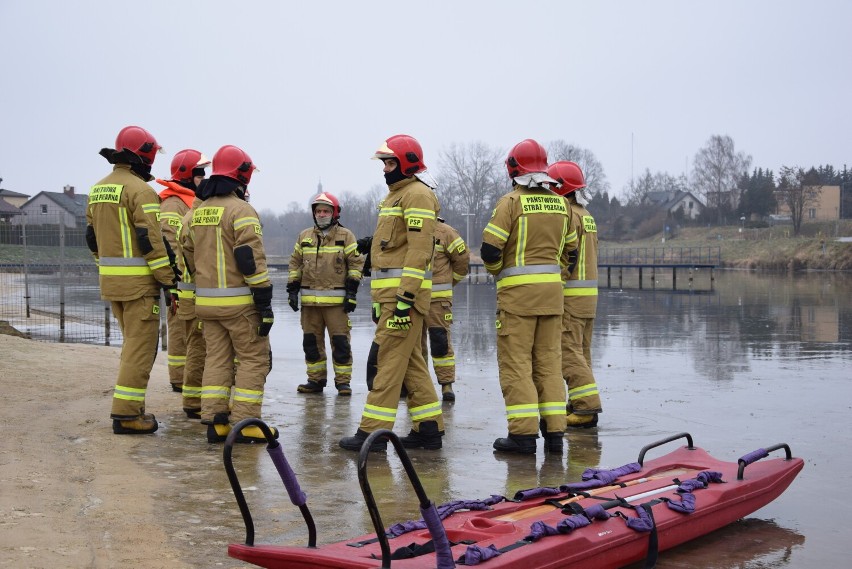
[[750, 362]]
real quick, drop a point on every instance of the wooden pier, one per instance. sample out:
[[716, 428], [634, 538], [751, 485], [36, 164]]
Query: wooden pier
[[650, 261]]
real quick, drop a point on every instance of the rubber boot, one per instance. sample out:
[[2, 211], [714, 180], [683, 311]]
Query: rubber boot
[[582, 421], [218, 430], [519, 444], [192, 412], [344, 390], [428, 437], [254, 434], [553, 442], [447, 392], [356, 441], [141, 425], [177, 387], [311, 387]]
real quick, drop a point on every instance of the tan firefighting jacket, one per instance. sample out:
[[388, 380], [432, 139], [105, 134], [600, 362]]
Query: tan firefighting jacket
[[220, 226], [322, 263], [175, 201], [186, 286], [131, 256], [531, 227], [581, 286], [403, 244], [450, 263]]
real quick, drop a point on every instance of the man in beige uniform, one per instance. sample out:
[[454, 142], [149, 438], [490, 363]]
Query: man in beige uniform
[[580, 286], [400, 254], [233, 297], [326, 267], [133, 265], [523, 246], [450, 265], [187, 171]]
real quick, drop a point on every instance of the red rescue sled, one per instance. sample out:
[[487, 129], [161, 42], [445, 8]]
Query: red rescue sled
[[623, 521]]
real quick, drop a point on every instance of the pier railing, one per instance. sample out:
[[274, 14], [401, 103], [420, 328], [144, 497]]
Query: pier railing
[[660, 257]]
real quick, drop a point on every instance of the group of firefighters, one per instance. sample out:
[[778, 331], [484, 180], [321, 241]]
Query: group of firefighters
[[199, 244]]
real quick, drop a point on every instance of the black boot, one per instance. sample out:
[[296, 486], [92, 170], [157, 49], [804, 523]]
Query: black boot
[[519, 444], [428, 437], [311, 387], [218, 430], [356, 441], [552, 441]]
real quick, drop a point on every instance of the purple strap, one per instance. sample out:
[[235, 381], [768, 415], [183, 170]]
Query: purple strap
[[754, 456], [445, 510], [686, 505], [536, 493], [597, 512], [539, 530], [476, 554], [595, 478], [443, 555], [570, 523], [643, 523], [685, 490], [297, 497]]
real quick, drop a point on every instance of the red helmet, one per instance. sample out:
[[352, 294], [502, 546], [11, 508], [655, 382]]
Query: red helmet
[[138, 141], [328, 199], [233, 163], [527, 157], [405, 150], [568, 174], [185, 162]]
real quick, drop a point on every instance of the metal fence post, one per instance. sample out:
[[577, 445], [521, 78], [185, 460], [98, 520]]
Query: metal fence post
[[61, 280]]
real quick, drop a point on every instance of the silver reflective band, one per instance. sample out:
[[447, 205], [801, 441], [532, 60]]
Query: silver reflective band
[[312, 292], [238, 291], [440, 287], [580, 284], [529, 270], [122, 262], [185, 286], [390, 273]]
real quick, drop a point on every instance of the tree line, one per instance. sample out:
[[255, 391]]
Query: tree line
[[471, 178]]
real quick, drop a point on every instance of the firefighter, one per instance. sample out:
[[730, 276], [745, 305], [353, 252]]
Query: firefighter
[[187, 170], [326, 268], [124, 237], [580, 290], [450, 265], [224, 253], [525, 242], [400, 254]]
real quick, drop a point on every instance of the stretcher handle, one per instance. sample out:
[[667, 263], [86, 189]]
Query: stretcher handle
[[756, 455], [661, 442]]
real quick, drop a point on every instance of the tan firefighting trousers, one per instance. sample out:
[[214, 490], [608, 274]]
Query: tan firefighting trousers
[[176, 348], [399, 361], [528, 357], [315, 321], [139, 320], [226, 339], [437, 340], [577, 364], [193, 371]]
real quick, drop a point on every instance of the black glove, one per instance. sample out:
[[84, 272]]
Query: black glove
[[365, 244], [401, 319], [170, 295], [293, 294], [263, 303], [572, 261], [349, 301]]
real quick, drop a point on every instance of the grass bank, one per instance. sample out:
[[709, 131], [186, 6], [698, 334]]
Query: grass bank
[[770, 248]]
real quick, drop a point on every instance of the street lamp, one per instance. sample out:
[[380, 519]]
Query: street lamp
[[742, 223]]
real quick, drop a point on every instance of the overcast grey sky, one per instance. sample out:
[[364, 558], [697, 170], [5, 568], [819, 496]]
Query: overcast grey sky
[[310, 89]]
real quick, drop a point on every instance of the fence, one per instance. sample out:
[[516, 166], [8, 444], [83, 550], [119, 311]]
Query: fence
[[661, 256]]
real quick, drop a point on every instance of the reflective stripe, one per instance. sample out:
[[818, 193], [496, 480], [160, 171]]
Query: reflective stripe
[[123, 262], [215, 392], [548, 408], [223, 296], [244, 221], [443, 286], [248, 396], [341, 369], [528, 279], [394, 283], [583, 391], [257, 278], [314, 367], [182, 285], [124, 228], [445, 361], [580, 288], [529, 270], [425, 411], [151, 208], [392, 278], [340, 293], [521, 411], [129, 393], [380, 413], [123, 266], [235, 291], [158, 263], [306, 299], [580, 284], [442, 294], [176, 361], [191, 392], [497, 232]]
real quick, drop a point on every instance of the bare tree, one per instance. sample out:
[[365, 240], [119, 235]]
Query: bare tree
[[717, 169], [470, 180], [798, 190], [593, 171]]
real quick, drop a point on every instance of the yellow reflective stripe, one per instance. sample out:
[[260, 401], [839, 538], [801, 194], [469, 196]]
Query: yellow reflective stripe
[[419, 212], [458, 245], [170, 215], [521, 242], [413, 273], [445, 361], [317, 366], [458, 277], [221, 276], [151, 208], [425, 411], [520, 411], [129, 393], [497, 232], [494, 267], [186, 294], [248, 395], [442, 293], [528, 279], [245, 221], [547, 408], [395, 282], [191, 392], [123, 271], [294, 275], [176, 361], [354, 274], [583, 391], [580, 291], [328, 250], [349, 248], [215, 392], [581, 260], [224, 300], [380, 413], [297, 248], [390, 211], [321, 299], [124, 229], [342, 369], [158, 263], [257, 278]]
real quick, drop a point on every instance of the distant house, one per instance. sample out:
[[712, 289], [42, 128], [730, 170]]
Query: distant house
[[51, 207], [8, 211], [15, 198], [674, 201], [825, 208]]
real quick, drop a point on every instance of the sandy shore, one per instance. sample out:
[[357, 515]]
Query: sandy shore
[[73, 494]]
